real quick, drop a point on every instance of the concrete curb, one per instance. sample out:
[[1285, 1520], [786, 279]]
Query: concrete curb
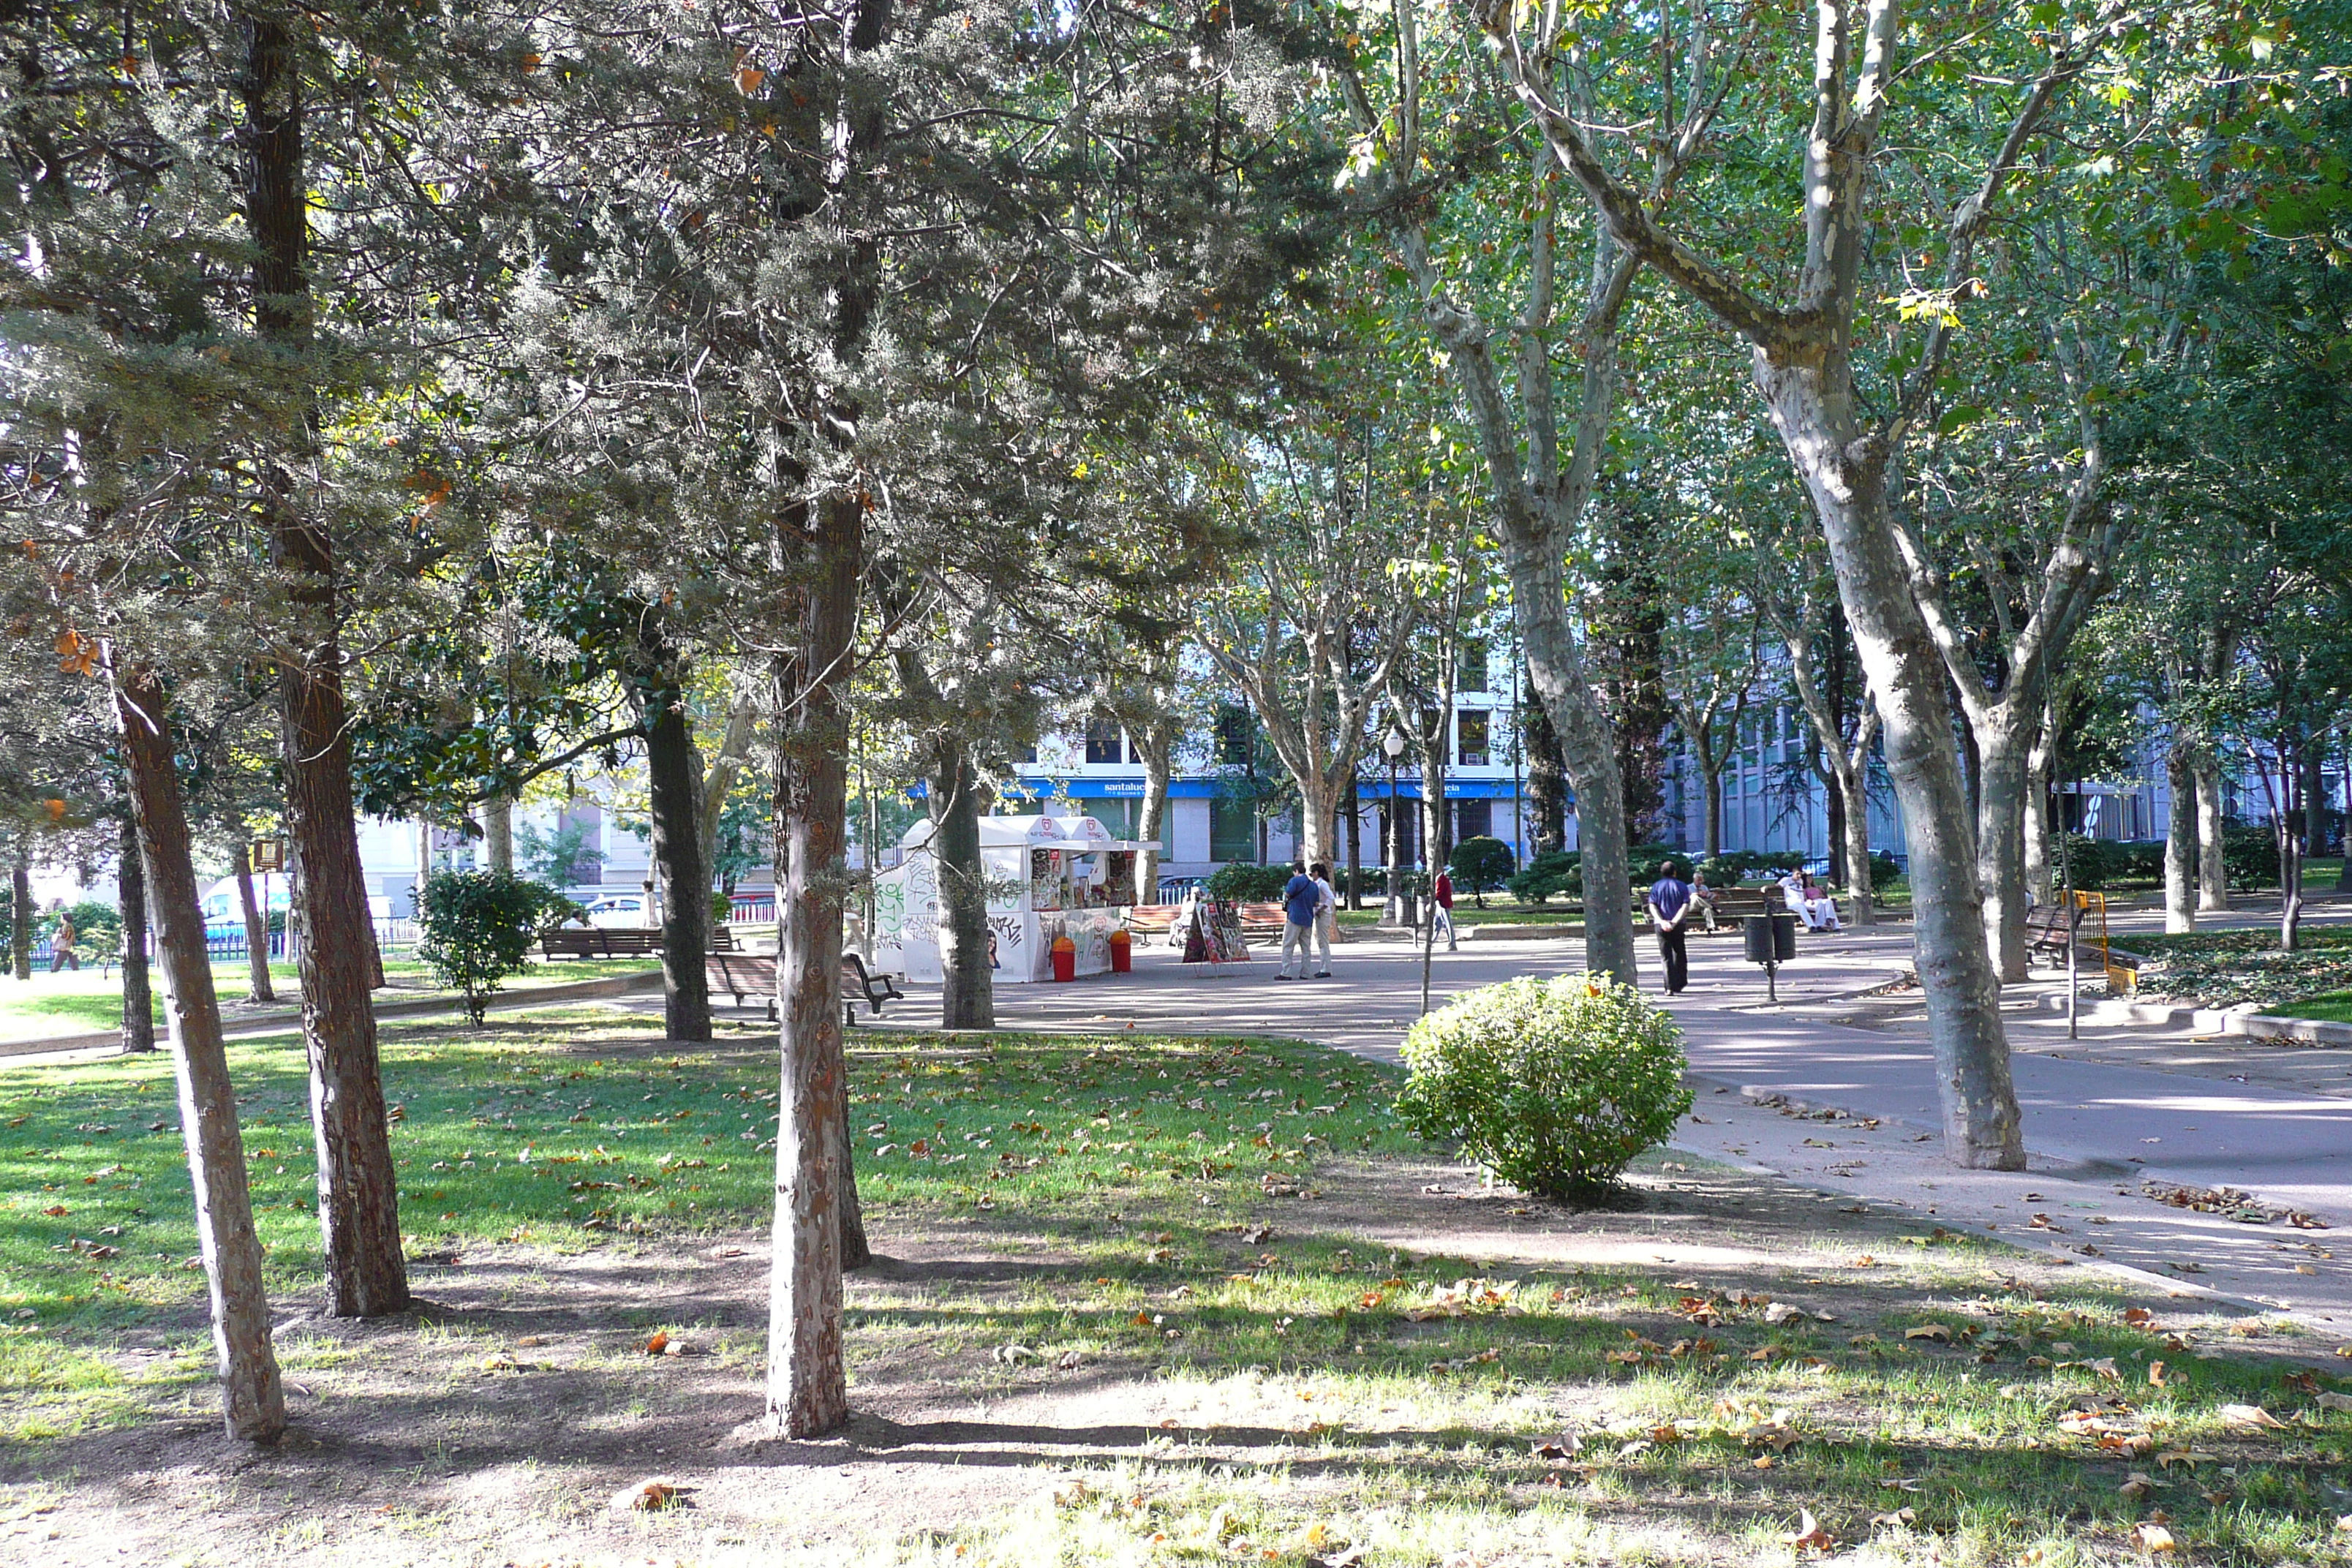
[[570, 991], [2244, 1020]]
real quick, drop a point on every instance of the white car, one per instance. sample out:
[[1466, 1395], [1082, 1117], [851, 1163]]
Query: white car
[[620, 913]]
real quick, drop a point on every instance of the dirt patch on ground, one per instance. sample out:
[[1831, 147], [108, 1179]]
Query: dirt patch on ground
[[494, 1424]]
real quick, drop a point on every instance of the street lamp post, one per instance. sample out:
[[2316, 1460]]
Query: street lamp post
[[1400, 901]]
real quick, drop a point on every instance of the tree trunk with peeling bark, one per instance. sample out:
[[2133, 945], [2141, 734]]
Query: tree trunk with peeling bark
[[498, 834], [253, 1401], [2212, 873], [2180, 839], [2002, 748]]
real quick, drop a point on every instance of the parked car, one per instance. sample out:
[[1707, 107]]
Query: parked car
[[619, 912]]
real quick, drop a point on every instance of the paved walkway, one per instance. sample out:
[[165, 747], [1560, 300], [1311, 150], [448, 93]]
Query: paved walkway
[[2122, 1107]]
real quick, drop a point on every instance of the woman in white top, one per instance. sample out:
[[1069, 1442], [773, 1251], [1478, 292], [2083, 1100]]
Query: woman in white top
[[1813, 905]]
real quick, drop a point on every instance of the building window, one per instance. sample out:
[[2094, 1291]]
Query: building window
[[1232, 830], [1234, 736], [1472, 675], [1472, 819], [1470, 728], [1103, 742]]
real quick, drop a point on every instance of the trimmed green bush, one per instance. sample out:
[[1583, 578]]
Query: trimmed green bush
[[1554, 1085], [475, 928], [1480, 866], [1552, 871], [1247, 883]]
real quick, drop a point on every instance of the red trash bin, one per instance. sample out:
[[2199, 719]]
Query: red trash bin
[[1065, 959]]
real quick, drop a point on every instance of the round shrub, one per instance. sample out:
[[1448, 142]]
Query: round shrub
[[1246, 882], [1554, 1085]]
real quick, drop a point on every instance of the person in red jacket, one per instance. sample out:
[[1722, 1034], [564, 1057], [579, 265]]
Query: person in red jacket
[[1441, 894]]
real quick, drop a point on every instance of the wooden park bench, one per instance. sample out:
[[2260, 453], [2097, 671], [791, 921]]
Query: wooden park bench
[[1733, 905], [2048, 931], [629, 941], [742, 974]]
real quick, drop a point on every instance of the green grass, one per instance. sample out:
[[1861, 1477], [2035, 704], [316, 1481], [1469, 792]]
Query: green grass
[[497, 1138], [1116, 1176], [2333, 1007], [77, 1002]]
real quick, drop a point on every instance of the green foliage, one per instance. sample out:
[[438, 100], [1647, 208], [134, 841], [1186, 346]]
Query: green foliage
[[477, 928], [2250, 855], [1249, 883], [561, 858], [1551, 871], [1648, 862], [1554, 1085], [1481, 865], [2099, 863], [1735, 866]]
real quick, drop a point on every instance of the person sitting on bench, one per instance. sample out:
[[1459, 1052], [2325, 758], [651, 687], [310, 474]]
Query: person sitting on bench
[[1813, 905]]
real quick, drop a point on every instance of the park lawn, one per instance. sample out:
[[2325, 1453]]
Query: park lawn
[[1959, 1402], [78, 1002], [2224, 968], [2333, 1007]]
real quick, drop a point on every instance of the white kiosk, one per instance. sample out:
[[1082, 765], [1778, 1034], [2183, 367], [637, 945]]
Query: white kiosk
[[1047, 877]]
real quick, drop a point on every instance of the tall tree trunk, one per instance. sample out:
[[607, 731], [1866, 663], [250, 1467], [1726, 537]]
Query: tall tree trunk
[[20, 915], [967, 989], [2213, 874], [1851, 791], [259, 987], [253, 1404], [1151, 825], [1354, 889], [1908, 685], [807, 1383], [2038, 763], [1587, 751], [2287, 827], [498, 834], [359, 1213], [2002, 743], [675, 803], [2180, 840], [137, 999]]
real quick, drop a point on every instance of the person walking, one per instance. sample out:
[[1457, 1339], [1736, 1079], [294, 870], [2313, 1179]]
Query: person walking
[[1441, 909], [61, 943], [1326, 919], [1670, 907], [1300, 898]]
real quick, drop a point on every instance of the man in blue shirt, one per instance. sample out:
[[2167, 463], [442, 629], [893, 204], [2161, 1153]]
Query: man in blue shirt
[[1302, 898], [1670, 907]]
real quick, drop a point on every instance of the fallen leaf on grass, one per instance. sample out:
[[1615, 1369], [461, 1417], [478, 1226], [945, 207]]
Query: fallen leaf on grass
[[649, 1496], [2252, 1417], [1808, 1536]]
